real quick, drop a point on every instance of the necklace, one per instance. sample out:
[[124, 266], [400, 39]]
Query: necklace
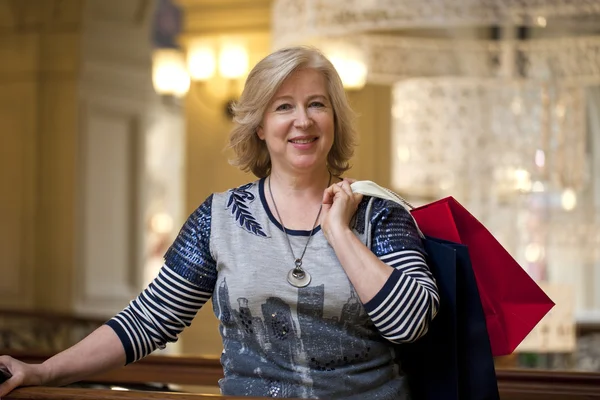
[[297, 276]]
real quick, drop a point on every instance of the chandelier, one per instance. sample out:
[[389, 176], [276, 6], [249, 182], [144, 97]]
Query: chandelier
[[569, 60], [295, 21], [535, 143]]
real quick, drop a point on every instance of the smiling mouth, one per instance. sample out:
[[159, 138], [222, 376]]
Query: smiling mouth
[[302, 141]]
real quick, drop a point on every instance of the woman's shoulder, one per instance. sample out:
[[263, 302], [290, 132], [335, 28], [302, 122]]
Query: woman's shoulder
[[375, 209], [378, 207], [243, 194], [246, 191]]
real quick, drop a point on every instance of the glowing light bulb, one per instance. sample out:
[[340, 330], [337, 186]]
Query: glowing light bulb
[[568, 199]]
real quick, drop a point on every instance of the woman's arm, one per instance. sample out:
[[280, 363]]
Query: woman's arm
[[367, 273], [170, 302], [155, 317], [98, 352], [393, 282]]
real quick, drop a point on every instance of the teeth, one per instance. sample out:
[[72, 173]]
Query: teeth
[[302, 141]]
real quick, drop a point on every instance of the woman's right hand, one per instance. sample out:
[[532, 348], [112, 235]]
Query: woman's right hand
[[20, 374]]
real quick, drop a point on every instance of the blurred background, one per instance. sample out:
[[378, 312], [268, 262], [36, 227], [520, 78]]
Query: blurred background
[[114, 117]]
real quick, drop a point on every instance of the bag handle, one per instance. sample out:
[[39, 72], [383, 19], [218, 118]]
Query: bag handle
[[370, 188]]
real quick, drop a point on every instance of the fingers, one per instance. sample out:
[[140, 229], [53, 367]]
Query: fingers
[[331, 192], [8, 381], [7, 387], [339, 205], [328, 195], [345, 185], [342, 191]]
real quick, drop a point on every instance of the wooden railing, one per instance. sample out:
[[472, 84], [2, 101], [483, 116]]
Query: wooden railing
[[206, 371], [514, 385], [22, 331], [182, 370], [44, 393], [547, 385]]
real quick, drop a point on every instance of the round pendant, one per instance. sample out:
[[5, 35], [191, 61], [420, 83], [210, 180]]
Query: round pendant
[[298, 277]]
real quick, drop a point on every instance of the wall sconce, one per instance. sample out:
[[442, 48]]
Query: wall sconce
[[203, 59], [201, 63], [174, 71], [229, 61], [169, 74]]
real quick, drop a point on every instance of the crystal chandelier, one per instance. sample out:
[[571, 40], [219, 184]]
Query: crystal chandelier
[[535, 143], [295, 21]]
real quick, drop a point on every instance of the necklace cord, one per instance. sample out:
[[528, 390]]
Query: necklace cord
[[297, 261]]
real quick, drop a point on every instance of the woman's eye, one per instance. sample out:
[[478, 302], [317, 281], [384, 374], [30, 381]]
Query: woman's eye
[[317, 104], [283, 107]]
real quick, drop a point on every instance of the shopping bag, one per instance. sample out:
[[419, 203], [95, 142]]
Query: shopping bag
[[512, 302], [453, 360], [431, 363]]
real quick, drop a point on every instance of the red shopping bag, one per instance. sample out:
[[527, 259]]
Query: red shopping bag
[[512, 302]]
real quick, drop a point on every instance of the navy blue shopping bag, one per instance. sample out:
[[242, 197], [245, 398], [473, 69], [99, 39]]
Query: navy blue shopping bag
[[453, 361]]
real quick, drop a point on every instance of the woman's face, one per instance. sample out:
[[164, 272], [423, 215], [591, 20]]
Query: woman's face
[[298, 125]]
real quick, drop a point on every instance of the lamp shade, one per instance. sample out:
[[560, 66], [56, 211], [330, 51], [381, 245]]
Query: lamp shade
[[233, 61], [201, 61], [169, 73]]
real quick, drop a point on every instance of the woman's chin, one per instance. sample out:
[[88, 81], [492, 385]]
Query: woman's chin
[[308, 163]]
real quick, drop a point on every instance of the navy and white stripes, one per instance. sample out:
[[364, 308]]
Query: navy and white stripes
[[158, 314], [401, 310], [408, 301]]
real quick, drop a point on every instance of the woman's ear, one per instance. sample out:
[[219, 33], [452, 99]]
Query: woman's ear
[[260, 133]]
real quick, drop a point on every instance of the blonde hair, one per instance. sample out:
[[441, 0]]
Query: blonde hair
[[264, 80]]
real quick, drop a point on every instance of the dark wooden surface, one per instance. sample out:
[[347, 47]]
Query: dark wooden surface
[[514, 384], [45, 393], [548, 385], [183, 370]]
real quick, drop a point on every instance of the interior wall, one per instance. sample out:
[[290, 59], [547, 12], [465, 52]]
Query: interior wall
[[77, 115], [115, 99], [39, 49]]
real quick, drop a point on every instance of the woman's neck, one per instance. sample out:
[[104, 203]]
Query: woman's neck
[[301, 185], [298, 197]]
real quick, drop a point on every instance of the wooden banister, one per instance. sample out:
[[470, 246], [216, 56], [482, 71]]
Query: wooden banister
[[548, 385], [514, 384], [182, 370], [47, 393]]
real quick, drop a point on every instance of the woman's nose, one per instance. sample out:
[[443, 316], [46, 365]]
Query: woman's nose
[[303, 120]]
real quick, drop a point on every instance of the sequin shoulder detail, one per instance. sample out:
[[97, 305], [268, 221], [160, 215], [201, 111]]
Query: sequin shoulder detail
[[189, 256], [393, 229], [359, 216]]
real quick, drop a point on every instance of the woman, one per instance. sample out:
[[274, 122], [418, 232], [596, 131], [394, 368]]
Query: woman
[[313, 284]]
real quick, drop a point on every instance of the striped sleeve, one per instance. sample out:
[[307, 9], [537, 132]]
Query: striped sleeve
[[409, 300], [170, 302]]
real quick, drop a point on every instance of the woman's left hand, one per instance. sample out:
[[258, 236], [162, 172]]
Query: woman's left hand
[[339, 205]]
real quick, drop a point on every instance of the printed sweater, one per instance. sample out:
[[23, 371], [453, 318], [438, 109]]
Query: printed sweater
[[319, 341]]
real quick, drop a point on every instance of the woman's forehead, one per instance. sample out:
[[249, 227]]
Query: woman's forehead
[[306, 80]]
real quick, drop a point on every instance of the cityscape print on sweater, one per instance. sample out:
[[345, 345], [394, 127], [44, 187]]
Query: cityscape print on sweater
[[280, 341]]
